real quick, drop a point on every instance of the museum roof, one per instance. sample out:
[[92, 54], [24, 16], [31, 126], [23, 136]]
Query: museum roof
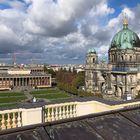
[[114, 125]]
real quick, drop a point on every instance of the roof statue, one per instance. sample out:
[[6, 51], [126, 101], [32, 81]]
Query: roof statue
[[125, 22]]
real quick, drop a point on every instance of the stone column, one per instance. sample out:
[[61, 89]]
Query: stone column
[[126, 85], [37, 81], [28, 81], [8, 80], [13, 82], [25, 81], [43, 81], [5, 82], [19, 81], [16, 81], [31, 81], [109, 80], [50, 81], [22, 81], [2, 81], [40, 81]]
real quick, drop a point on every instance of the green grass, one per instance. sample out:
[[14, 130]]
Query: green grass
[[12, 99], [4, 94], [50, 94], [45, 91]]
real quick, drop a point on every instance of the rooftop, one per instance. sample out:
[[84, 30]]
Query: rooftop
[[117, 125]]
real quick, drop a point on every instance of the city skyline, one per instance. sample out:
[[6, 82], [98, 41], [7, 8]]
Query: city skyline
[[59, 31]]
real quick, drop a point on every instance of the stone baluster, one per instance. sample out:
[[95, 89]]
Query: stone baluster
[[60, 113], [3, 122], [14, 120], [56, 113], [64, 112], [75, 110], [70, 110], [18, 119], [48, 114], [67, 111], [52, 118], [8, 121]]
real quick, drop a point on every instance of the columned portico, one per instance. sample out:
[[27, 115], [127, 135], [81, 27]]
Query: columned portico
[[21, 81]]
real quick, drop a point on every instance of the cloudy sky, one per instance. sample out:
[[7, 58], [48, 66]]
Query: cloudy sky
[[61, 31]]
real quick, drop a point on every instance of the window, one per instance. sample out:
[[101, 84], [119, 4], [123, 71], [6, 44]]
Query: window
[[130, 58], [93, 60], [122, 58], [131, 78]]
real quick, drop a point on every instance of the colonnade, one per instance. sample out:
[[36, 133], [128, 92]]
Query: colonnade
[[25, 81]]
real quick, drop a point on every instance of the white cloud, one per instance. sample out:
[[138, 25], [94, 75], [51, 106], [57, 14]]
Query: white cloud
[[61, 31]]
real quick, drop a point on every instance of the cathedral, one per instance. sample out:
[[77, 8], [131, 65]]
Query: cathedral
[[121, 76]]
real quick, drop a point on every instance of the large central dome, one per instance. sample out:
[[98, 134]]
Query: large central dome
[[125, 39]]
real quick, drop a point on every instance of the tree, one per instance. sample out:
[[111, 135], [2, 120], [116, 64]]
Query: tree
[[50, 71]]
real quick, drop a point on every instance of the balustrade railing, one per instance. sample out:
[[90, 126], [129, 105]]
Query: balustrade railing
[[60, 111], [52, 112], [10, 119]]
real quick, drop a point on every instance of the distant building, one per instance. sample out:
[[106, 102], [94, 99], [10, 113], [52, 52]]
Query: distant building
[[68, 67], [121, 76], [16, 77]]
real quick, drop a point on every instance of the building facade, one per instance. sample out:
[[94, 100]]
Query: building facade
[[121, 76], [14, 77]]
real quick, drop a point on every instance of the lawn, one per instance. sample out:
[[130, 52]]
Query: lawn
[[12, 99], [50, 94], [4, 94], [45, 91]]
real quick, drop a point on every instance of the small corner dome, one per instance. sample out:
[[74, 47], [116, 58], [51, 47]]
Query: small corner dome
[[91, 50]]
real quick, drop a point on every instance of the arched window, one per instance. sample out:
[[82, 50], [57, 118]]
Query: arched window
[[130, 58], [122, 58], [93, 60]]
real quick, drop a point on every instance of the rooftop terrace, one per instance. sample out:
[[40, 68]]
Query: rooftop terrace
[[113, 125]]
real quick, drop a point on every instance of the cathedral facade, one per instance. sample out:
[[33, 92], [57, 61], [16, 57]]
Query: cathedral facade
[[121, 76]]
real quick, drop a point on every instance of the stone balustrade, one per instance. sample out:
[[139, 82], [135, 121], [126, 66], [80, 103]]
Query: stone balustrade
[[39, 114], [60, 111], [10, 119]]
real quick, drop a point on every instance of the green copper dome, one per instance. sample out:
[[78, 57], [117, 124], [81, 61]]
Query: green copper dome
[[91, 50], [125, 39]]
